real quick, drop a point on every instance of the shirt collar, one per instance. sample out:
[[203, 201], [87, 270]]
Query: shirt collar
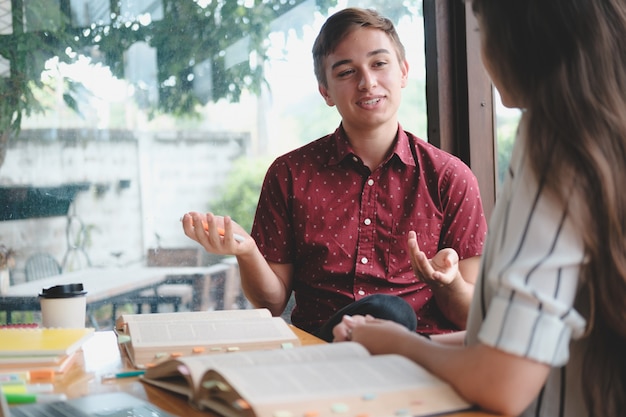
[[401, 149]]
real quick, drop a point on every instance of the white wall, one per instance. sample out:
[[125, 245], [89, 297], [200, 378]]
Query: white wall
[[170, 173]]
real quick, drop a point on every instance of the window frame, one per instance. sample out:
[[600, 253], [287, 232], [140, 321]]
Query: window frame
[[461, 115]]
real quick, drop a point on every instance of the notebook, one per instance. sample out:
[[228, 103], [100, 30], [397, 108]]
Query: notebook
[[25, 343], [113, 404]]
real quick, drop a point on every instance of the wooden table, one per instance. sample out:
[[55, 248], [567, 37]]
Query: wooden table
[[106, 285], [101, 356]]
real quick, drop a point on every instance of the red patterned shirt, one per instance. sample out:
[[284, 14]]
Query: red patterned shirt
[[344, 228]]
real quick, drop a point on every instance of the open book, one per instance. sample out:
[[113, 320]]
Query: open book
[[317, 380], [152, 338]]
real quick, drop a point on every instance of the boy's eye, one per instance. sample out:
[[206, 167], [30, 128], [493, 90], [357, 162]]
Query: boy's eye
[[345, 73]]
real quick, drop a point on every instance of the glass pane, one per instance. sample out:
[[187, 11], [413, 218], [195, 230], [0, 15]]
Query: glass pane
[[133, 115], [506, 128]]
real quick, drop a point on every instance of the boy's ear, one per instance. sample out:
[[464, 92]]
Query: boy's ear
[[404, 67], [324, 92]]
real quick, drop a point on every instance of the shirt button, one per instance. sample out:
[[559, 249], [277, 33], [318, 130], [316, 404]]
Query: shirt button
[[367, 222], [370, 182], [361, 292], [364, 260]]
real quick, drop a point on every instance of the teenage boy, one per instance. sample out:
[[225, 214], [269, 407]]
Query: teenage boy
[[334, 216]]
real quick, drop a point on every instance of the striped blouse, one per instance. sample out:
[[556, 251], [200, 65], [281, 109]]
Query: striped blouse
[[526, 290]]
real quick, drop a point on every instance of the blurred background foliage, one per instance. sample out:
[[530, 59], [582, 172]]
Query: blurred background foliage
[[239, 195], [188, 33]]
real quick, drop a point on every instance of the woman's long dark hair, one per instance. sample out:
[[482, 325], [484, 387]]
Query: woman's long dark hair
[[565, 60]]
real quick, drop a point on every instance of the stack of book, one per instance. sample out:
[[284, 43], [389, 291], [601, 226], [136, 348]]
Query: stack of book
[[149, 339], [40, 352]]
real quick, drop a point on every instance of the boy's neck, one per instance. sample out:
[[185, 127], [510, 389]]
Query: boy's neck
[[373, 146]]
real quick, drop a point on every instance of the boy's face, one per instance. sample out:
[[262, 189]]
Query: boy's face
[[365, 80]]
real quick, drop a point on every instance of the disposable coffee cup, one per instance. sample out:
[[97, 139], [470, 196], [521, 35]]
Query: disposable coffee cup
[[63, 306]]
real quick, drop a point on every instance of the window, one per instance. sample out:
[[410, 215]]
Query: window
[[135, 112], [507, 121]]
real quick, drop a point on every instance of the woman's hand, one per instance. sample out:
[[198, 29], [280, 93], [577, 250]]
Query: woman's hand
[[350, 326], [377, 335], [342, 332]]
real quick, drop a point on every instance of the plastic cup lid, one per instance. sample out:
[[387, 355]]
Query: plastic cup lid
[[63, 291]]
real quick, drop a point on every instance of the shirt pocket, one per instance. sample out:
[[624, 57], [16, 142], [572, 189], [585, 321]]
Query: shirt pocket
[[428, 234]]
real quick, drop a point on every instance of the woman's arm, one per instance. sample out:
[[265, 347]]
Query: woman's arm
[[492, 379]]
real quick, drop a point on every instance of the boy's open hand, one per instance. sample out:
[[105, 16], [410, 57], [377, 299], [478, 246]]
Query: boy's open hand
[[217, 234]]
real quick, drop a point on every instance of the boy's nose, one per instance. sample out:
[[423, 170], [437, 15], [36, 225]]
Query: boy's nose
[[367, 81]]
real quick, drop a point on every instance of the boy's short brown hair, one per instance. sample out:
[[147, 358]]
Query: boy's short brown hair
[[341, 24]]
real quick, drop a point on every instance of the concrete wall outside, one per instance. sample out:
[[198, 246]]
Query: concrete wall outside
[[140, 186]]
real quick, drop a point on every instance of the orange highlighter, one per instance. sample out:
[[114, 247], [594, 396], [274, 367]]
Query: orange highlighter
[[221, 232]]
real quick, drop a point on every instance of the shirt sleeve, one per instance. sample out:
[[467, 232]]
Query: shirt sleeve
[[531, 266], [464, 223], [272, 229]]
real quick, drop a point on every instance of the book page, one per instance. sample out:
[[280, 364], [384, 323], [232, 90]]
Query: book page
[[297, 381], [386, 383], [8, 360], [183, 316], [198, 332], [169, 374]]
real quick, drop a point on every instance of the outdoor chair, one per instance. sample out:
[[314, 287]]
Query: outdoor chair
[[41, 265]]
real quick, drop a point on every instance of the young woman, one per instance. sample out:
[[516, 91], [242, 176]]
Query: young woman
[[546, 334]]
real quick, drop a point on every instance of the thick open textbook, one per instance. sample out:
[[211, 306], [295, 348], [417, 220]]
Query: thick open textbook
[[149, 339], [316, 380]]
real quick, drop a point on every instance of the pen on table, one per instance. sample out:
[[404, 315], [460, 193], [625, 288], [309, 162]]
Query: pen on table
[[126, 374], [30, 398]]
